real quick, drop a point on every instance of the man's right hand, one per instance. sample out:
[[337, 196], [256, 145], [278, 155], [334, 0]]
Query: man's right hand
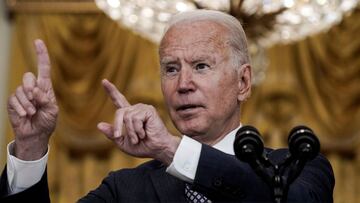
[[33, 110], [138, 129]]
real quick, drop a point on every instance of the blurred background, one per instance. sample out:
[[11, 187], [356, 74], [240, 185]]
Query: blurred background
[[306, 62]]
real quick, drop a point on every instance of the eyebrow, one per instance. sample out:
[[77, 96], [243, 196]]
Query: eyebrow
[[193, 59], [168, 60], [196, 59]]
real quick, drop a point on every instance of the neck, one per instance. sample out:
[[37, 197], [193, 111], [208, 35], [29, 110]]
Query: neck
[[217, 133]]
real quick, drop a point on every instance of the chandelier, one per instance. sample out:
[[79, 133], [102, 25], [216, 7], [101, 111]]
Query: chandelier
[[266, 22]]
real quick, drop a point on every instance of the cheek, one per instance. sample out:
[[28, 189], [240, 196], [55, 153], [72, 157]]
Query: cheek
[[225, 92], [167, 89]]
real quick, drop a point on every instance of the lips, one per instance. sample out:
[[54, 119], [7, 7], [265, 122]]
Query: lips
[[188, 111], [187, 107]]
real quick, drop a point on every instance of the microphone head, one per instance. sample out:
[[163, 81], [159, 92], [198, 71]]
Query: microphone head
[[248, 144], [303, 143]]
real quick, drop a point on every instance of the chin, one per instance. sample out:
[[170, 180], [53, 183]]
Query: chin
[[191, 129]]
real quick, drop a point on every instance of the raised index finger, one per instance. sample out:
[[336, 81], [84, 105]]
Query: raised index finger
[[118, 99], [43, 61]]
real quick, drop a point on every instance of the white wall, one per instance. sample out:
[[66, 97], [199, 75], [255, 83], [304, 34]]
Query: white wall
[[5, 36]]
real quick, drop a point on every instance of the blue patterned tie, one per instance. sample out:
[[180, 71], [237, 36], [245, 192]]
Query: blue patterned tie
[[195, 197]]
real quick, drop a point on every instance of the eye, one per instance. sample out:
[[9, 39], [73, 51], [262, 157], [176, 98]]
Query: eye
[[171, 70], [201, 66]]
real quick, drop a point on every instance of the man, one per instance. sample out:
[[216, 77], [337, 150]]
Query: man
[[205, 76]]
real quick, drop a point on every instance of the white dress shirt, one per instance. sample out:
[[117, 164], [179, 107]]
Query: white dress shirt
[[187, 155], [23, 174]]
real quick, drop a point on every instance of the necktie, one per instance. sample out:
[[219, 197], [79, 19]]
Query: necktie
[[195, 197]]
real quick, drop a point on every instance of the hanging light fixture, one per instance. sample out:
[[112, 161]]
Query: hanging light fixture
[[266, 22], [296, 19]]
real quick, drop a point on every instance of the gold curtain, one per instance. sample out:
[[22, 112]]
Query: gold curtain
[[312, 82], [316, 82], [84, 49]]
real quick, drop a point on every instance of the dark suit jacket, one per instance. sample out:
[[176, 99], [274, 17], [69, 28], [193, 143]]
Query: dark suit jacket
[[219, 176]]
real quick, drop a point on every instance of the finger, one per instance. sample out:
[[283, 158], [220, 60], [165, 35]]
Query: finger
[[130, 128], [24, 101], [43, 63], [118, 123], [139, 128], [118, 99], [15, 104], [107, 129], [40, 97], [29, 82], [138, 118]]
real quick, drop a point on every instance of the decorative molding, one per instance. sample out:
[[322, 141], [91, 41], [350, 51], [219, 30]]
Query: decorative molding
[[51, 7]]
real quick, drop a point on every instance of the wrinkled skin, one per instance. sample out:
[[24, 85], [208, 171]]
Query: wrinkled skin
[[33, 110], [201, 85], [202, 88]]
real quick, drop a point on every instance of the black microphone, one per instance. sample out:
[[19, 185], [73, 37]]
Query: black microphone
[[248, 144], [249, 147], [303, 143]]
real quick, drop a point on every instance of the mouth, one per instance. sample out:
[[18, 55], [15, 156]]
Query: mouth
[[188, 107]]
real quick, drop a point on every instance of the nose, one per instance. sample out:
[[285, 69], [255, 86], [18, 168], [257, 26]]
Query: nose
[[185, 81]]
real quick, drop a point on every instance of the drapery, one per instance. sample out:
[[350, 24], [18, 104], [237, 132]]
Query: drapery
[[313, 82], [84, 49]]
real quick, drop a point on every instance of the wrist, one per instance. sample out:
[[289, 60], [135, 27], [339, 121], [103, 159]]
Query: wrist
[[30, 150], [167, 154]]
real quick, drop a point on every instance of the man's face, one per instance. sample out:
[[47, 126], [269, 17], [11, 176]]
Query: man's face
[[199, 81]]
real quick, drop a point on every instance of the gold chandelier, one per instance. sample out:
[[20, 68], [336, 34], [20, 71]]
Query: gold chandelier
[[266, 22]]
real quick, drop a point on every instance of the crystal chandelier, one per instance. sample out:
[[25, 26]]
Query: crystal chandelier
[[266, 22], [298, 19]]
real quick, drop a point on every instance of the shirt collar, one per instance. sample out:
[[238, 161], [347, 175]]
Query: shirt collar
[[226, 144]]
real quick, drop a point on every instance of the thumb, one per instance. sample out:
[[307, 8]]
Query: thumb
[[107, 129]]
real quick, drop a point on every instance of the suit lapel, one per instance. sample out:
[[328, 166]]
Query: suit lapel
[[168, 188]]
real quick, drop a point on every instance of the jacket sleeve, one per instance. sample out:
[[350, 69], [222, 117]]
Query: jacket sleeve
[[222, 177], [36, 193], [315, 183], [106, 192]]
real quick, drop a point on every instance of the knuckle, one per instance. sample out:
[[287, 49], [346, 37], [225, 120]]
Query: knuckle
[[137, 117], [127, 119], [137, 124], [26, 104], [119, 112], [151, 107], [19, 89], [56, 109], [28, 75], [11, 99]]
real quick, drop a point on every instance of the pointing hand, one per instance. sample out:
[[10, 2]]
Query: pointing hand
[[138, 129], [33, 110]]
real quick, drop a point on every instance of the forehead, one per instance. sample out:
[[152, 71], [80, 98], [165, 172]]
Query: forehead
[[199, 36]]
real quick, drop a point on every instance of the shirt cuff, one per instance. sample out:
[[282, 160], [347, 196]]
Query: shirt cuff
[[185, 160], [23, 174]]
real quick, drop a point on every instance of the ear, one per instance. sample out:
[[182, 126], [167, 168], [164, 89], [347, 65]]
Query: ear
[[244, 75]]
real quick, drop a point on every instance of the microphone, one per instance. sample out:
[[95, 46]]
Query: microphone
[[303, 146], [303, 143], [249, 148], [248, 144]]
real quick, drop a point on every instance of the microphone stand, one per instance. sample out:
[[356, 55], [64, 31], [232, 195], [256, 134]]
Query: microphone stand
[[279, 180], [303, 146]]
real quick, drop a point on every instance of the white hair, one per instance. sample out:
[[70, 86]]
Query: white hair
[[236, 35]]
